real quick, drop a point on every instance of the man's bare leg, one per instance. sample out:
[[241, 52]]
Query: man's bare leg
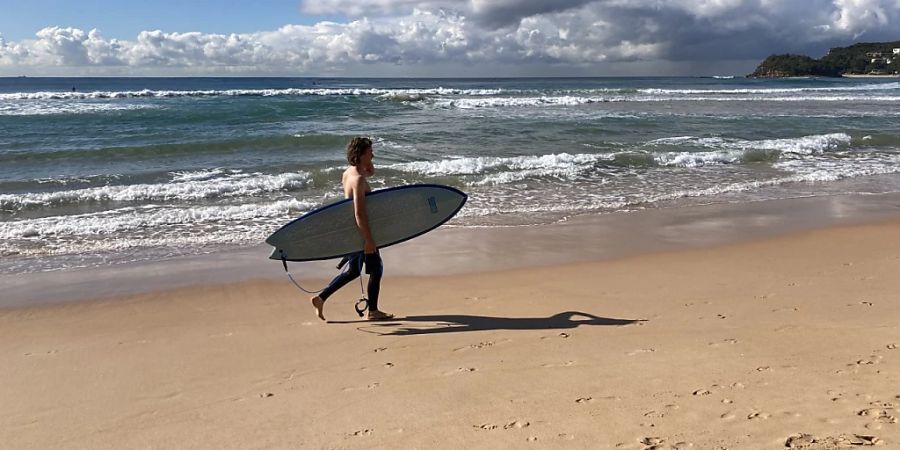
[[319, 304]]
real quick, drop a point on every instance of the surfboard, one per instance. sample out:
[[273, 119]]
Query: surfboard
[[396, 215]]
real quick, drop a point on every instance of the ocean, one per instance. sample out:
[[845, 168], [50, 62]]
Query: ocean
[[102, 171]]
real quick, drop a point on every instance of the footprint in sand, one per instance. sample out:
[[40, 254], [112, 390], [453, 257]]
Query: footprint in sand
[[171, 396], [222, 335], [460, 370], [892, 346], [701, 392], [801, 440], [478, 346], [658, 443], [837, 397], [380, 349], [565, 364], [879, 417], [640, 351], [369, 386], [364, 432], [517, 424], [870, 361], [809, 442], [756, 415], [724, 342], [584, 400]]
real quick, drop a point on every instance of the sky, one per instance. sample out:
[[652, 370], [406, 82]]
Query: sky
[[427, 38]]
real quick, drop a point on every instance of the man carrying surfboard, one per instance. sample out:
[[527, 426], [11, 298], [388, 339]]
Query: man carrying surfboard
[[356, 186]]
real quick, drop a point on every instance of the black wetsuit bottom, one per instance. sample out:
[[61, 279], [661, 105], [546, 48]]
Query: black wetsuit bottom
[[355, 262]]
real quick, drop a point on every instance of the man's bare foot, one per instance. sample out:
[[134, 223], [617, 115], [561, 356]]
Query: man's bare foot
[[319, 304], [379, 315]]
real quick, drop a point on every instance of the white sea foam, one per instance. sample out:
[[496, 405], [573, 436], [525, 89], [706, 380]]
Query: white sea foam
[[569, 100], [553, 163], [498, 102], [19, 103], [152, 219], [47, 108], [854, 88], [500, 170], [838, 169], [197, 175], [734, 150], [148, 93], [232, 185], [698, 159]]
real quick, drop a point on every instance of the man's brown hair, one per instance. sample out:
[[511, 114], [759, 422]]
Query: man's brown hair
[[356, 148]]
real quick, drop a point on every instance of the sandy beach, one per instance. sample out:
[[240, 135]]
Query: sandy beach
[[783, 341]]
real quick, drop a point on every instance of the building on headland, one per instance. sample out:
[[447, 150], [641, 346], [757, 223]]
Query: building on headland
[[897, 51]]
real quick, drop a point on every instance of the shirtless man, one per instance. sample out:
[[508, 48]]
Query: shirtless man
[[359, 156]]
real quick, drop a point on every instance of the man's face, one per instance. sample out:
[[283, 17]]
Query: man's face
[[367, 156]]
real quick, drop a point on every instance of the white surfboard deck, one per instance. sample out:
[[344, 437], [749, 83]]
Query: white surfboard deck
[[395, 215]]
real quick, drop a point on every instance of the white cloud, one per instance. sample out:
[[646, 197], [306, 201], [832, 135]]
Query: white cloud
[[855, 16], [474, 33]]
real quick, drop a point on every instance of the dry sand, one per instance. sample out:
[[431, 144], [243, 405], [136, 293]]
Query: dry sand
[[784, 341]]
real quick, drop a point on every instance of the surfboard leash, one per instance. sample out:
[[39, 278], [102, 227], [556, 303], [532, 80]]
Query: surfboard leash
[[291, 277], [362, 300]]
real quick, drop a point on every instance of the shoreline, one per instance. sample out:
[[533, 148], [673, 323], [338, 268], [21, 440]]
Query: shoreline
[[580, 239], [742, 345], [863, 75]]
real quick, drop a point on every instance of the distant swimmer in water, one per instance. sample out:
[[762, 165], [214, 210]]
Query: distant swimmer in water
[[356, 186]]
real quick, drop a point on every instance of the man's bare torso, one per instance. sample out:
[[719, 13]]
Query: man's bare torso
[[350, 177]]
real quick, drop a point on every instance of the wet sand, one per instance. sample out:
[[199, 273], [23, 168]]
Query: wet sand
[[455, 250]]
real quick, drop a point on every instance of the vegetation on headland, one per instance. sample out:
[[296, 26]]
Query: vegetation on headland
[[872, 58]]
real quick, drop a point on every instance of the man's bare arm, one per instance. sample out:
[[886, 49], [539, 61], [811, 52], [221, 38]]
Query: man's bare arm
[[358, 187]]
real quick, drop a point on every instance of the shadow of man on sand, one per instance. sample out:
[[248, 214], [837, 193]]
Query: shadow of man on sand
[[461, 323]]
